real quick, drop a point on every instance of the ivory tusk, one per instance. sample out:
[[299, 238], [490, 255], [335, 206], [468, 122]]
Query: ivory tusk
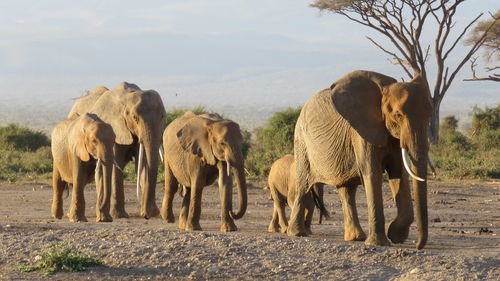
[[161, 154], [117, 166], [139, 169], [407, 165], [98, 166], [98, 170], [228, 166], [431, 164]]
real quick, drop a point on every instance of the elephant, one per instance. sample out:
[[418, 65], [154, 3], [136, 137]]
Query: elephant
[[81, 147], [198, 149], [137, 118], [348, 134], [281, 181]]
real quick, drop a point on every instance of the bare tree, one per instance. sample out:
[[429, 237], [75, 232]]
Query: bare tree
[[402, 22], [490, 47]]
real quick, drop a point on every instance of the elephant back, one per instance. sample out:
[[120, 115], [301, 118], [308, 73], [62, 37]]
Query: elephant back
[[85, 103], [279, 175]]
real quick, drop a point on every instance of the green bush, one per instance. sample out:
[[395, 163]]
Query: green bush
[[478, 156], [449, 124], [487, 119], [22, 138], [177, 112], [62, 257], [24, 153], [272, 141]]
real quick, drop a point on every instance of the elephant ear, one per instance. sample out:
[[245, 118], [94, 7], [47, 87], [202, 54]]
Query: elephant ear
[[80, 148], [357, 97], [193, 138], [111, 109]]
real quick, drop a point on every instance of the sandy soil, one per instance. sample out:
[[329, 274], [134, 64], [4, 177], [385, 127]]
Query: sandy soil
[[464, 241]]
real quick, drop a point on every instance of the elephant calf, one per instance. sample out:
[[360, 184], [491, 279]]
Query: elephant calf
[[199, 149], [281, 184], [80, 145]]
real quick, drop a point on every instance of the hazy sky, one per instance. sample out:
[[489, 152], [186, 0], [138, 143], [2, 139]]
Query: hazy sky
[[216, 53]]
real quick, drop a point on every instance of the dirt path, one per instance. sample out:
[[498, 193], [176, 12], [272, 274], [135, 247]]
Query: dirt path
[[464, 241]]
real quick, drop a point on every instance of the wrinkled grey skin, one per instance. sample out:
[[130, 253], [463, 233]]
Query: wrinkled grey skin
[[349, 134], [198, 150], [77, 144], [281, 183], [137, 117]]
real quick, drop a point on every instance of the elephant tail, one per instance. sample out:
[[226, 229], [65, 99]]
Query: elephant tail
[[318, 202]]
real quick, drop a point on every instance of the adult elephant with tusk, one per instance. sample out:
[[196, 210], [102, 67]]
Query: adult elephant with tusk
[[79, 146], [349, 134], [198, 150], [137, 118]]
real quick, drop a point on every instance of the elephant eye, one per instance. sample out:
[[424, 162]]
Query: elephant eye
[[398, 116]]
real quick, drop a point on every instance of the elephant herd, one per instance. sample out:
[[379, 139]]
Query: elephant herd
[[349, 134]]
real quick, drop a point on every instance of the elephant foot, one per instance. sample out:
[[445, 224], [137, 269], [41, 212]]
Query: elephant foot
[[228, 227], [309, 231], [150, 212], [193, 227], [283, 228], [57, 213], [119, 213], [76, 218], [167, 215], [398, 232], [354, 234], [104, 218], [377, 240], [295, 230], [273, 228]]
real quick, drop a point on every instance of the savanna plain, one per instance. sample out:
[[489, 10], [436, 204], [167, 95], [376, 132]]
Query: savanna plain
[[464, 223]]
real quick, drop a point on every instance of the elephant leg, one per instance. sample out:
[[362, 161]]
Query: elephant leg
[[194, 212], [399, 228], [352, 228], [308, 212], [279, 203], [296, 226], [171, 187], [370, 169], [273, 225], [225, 182], [57, 201], [77, 206], [118, 195], [183, 215]]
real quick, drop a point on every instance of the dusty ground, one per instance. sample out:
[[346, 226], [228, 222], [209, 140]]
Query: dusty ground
[[464, 240]]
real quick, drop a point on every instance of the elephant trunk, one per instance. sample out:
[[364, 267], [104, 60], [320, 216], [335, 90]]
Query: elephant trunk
[[147, 177], [103, 181], [420, 192], [239, 173], [417, 168]]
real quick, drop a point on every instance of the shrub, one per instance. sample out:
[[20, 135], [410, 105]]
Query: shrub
[[478, 156], [62, 257], [485, 119], [449, 124], [23, 153], [22, 138], [271, 142], [177, 112]]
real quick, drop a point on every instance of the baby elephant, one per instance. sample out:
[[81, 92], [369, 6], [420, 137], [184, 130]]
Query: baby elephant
[[81, 145], [281, 183]]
